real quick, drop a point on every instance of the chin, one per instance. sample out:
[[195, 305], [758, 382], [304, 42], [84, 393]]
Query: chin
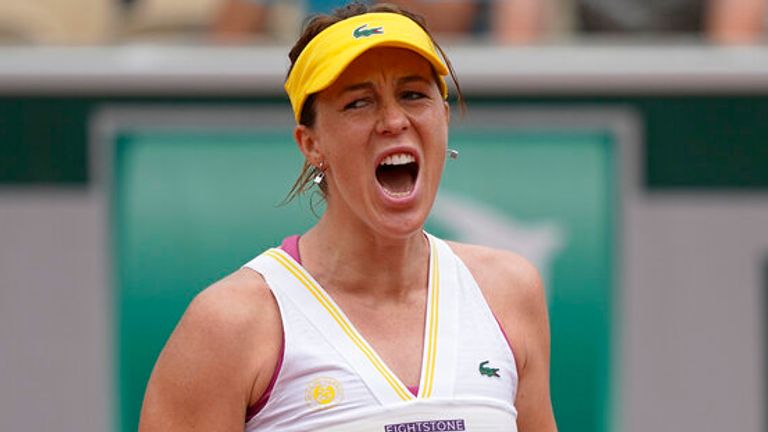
[[402, 226]]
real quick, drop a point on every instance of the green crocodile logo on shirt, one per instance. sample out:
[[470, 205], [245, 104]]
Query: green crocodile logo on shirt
[[488, 371], [364, 31]]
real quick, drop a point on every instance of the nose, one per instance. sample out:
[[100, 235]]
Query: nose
[[392, 118]]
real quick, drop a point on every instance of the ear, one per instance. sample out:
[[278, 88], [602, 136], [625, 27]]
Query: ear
[[447, 111], [307, 142]]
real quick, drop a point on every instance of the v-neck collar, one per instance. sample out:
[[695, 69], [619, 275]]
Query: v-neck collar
[[339, 330]]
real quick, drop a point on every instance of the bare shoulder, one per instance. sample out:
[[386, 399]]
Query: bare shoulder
[[236, 318], [503, 275], [218, 360], [240, 301]]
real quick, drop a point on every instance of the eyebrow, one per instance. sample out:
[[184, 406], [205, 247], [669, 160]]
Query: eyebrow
[[369, 84], [412, 78], [358, 86]]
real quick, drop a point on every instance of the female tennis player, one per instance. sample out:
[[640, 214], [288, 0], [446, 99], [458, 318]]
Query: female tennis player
[[365, 322]]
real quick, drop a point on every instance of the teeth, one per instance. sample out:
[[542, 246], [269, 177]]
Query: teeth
[[397, 194], [398, 159]]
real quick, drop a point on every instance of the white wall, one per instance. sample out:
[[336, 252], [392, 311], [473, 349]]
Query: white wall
[[55, 312], [693, 313]]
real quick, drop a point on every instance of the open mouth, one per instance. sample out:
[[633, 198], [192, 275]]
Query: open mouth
[[397, 174]]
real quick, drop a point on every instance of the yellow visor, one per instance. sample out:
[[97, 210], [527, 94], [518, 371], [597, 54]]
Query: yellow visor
[[327, 55]]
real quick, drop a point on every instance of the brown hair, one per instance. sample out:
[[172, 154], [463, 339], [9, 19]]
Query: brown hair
[[312, 28]]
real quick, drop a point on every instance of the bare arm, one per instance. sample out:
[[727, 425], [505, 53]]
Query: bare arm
[[533, 396], [520, 21], [447, 16], [736, 21], [515, 293], [217, 362], [239, 20]]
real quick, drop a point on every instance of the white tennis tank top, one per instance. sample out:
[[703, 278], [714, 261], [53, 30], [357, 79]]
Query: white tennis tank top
[[331, 379]]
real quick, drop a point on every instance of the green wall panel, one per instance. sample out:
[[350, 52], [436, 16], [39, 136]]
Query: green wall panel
[[705, 142], [43, 141], [691, 142]]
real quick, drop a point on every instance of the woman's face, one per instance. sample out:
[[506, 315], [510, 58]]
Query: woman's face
[[381, 132]]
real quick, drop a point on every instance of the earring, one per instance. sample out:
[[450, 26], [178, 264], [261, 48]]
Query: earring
[[320, 175], [453, 154]]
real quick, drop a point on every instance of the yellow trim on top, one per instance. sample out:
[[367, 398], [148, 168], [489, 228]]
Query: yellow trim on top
[[345, 325], [431, 343]]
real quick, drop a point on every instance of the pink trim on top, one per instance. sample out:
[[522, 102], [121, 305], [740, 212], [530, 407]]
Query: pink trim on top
[[290, 245], [258, 406], [501, 327], [506, 338]]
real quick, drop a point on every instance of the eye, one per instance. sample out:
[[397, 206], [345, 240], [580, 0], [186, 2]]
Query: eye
[[357, 103], [413, 95]]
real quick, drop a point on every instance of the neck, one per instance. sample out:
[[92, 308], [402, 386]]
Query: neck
[[347, 258]]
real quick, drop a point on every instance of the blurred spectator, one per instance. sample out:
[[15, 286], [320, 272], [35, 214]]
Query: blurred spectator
[[449, 17], [57, 21], [238, 19], [525, 21], [739, 21], [241, 19], [169, 19], [510, 20]]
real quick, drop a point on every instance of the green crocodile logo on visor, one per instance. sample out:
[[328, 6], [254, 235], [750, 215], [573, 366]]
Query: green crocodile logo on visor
[[364, 31]]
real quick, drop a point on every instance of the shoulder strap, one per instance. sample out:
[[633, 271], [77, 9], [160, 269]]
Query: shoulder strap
[[290, 279], [438, 372]]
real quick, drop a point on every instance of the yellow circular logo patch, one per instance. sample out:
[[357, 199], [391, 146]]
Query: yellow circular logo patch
[[323, 393]]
